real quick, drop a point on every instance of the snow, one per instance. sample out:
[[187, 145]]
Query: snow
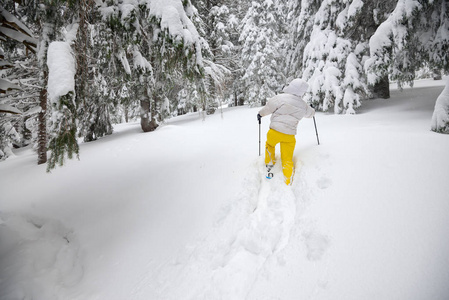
[[61, 70], [121, 55], [186, 213], [354, 8], [139, 62], [70, 33], [440, 119]]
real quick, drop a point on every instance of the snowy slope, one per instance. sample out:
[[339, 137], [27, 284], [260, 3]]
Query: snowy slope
[[184, 212]]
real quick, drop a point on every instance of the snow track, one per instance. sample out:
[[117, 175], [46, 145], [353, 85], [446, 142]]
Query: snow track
[[33, 253], [254, 228], [186, 212]]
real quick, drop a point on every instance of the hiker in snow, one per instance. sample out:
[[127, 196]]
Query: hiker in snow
[[286, 109]]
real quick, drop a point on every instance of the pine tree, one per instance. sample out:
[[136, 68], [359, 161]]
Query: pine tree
[[388, 56], [94, 105], [329, 45], [332, 58], [261, 59], [163, 44], [221, 33], [97, 79], [415, 35], [300, 20]]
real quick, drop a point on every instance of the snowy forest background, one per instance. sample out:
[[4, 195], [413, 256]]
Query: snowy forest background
[[71, 69]]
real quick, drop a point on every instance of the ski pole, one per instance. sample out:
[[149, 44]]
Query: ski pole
[[259, 135], [316, 131]]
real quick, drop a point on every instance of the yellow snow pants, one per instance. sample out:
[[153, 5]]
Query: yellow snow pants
[[288, 143]]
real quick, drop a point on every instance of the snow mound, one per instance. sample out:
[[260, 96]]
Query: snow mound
[[61, 70], [33, 253]]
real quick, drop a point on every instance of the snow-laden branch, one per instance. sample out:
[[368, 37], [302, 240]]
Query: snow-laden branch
[[13, 28], [216, 72], [5, 108], [172, 16], [6, 85]]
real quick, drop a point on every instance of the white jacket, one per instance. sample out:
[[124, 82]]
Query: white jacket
[[288, 109]]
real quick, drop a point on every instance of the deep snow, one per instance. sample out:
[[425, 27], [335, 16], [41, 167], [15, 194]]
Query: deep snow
[[185, 212]]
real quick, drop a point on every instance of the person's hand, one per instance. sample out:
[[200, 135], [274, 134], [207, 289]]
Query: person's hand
[[259, 117]]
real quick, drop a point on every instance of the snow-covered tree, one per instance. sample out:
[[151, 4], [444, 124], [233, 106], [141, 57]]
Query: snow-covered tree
[[332, 58], [389, 54], [221, 19], [415, 35], [97, 79], [433, 36], [156, 43], [57, 62], [91, 44], [61, 95], [261, 56], [300, 20], [329, 46]]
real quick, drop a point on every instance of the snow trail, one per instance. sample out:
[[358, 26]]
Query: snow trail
[[254, 227]]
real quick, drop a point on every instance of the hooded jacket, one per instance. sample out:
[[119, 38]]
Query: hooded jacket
[[288, 109]]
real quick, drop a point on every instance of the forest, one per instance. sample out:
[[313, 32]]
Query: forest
[[71, 69]]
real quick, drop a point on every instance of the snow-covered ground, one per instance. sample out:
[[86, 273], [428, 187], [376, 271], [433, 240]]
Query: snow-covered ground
[[185, 212]]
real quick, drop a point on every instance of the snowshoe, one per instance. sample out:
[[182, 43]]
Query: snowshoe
[[269, 173]]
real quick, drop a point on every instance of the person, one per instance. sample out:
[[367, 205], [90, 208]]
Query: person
[[286, 110]]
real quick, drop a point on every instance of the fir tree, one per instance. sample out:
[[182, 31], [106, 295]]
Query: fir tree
[[331, 58], [163, 44], [329, 48], [414, 36], [261, 58], [300, 20]]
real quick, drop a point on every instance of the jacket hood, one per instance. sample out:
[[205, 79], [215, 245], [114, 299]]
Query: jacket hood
[[297, 87]]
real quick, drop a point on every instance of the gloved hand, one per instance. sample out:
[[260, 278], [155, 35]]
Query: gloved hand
[[259, 117]]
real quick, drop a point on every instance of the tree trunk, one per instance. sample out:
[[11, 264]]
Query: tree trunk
[[42, 126], [235, 99], [81, 50], [382, 88], [147, 121]]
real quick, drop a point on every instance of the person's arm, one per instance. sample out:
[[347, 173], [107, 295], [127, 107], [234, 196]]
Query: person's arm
[[310, 112], [269, 108]]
